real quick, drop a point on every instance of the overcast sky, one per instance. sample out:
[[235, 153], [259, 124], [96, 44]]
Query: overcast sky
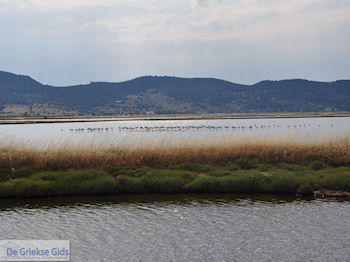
[[64, 42]]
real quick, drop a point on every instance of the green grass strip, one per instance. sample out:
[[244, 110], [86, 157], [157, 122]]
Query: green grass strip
[[243, 176]]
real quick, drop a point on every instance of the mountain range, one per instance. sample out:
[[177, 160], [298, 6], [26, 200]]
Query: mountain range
[[22, 95]]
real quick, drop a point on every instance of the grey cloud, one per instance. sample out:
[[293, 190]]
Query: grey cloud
[[238, 40]]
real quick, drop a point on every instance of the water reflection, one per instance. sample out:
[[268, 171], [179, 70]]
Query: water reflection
[[181, 199]]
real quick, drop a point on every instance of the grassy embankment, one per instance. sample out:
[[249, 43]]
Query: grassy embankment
[[216, 166]]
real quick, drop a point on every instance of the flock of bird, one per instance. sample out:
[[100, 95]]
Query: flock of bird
[[182, 128]]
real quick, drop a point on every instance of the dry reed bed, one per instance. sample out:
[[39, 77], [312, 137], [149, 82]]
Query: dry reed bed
[[67, 155]]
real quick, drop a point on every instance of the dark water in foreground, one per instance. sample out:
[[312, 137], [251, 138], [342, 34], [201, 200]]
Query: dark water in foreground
[[185, 227]]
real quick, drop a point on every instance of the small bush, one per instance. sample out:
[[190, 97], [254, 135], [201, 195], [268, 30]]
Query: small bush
[[283, 183], [23, 172], [290, 167], [335, 181], [264, 167], [219, 172], [32, 188], [7, 189], [165, 181], [305, 189], [317, 165], [12, 173], [204, 184], [78, 182], [189, 176], [243, 183], [129, 185], [126, 170], [193, 167], [5, 174], [245, 164], [233, 167]]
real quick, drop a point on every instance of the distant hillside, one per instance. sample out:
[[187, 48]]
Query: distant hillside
[[21, 95]]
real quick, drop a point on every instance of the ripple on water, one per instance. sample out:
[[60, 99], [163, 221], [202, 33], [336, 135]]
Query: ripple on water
[[187, 227]]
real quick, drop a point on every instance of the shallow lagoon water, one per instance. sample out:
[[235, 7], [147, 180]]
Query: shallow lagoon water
[[185, 227], [115, 132]]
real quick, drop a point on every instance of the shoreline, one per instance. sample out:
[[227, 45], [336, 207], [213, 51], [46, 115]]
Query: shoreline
[[76, 119], [183, 197]]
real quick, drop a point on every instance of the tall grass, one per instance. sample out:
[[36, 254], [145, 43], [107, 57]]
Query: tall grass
[[219, 151]]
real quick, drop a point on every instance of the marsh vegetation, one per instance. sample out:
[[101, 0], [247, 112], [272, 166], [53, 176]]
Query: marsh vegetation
[[242, 176], [160, 154], [224, 156], [278, 166]]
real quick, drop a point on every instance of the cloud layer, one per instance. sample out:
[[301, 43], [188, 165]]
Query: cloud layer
[[239, 40]]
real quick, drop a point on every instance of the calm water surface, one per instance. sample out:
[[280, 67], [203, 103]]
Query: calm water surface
[[134, 130], [185, 227]]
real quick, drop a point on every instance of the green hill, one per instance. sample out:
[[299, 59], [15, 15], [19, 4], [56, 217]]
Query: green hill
[[21, 95]]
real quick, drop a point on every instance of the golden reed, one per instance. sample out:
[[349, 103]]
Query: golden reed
[[219, 151]]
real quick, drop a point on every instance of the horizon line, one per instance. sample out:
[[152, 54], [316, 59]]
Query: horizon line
[[178, 77]]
